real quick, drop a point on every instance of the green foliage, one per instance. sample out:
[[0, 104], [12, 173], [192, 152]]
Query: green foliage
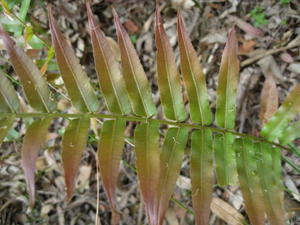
[[259, 16], [254, 161], [285, 1], [133, 38]]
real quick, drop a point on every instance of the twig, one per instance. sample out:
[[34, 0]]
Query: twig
[[269, 52]]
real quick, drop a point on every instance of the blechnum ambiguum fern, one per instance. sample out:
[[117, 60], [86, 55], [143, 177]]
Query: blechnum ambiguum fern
[[254, 161]]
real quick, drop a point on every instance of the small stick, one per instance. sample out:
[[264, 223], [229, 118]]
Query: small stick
[[269, 52]]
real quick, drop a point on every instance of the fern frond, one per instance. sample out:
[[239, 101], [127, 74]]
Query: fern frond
[[254, 161]]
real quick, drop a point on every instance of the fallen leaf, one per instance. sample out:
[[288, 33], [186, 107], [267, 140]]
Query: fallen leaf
[[286, 57], [216, 37], [289, 183], [268, 64], [171, 217], [247, 27], [294, 67], [130, 26], [246, 47], [183, 182], [84, 176], [268, 99], [226, 212]]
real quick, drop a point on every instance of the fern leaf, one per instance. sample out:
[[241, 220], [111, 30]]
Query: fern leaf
[[135, 78], [5, 124], [35, 86], [225, 111], [170, 163], [9, 101], [286, 112], [290, 133], [193, 78], [227, 84], [108, 71], [147, 150], [202, 176], [272, 188], [249, 180], [73, 145], [77, 82], [168, 75], [225, 159], [109, 155], [34, 139]]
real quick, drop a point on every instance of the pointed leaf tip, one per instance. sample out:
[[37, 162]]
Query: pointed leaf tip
[[227, 84], [109, 154], [32, 144], [111, 82], [193, 77], [35, 86], [168, 75], [73, 145], [75, 79], [134, 75], [170, 164], [146, 138]]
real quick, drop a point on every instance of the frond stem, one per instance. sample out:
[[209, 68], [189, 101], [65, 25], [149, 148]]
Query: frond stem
[[140, 119]]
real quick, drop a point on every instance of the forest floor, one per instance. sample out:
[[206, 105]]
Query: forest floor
[[276, 25]]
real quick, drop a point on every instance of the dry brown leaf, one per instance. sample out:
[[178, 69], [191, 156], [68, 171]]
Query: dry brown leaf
[[40, 164], [247, 27], [268, 99], [269, 64], [286, 57], [247, 46], [130, 26], [226, 212], [171, 217], [294, 67], [84, 176]]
